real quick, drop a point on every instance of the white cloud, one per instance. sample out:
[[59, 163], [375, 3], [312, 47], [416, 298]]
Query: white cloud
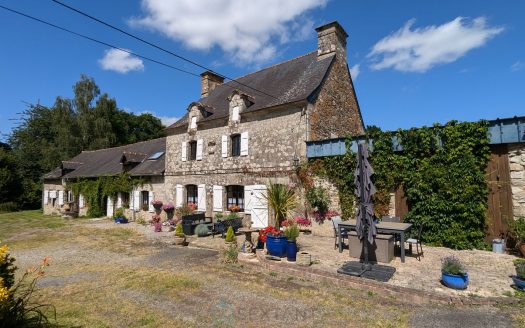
[[516, 66], [249, 32], [420, 49], [354, 71], [120, 61], [167, 121]]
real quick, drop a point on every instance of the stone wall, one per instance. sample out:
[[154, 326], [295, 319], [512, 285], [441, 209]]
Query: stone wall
[[336, 112], [52, 207], [517, 178], [274, 138]]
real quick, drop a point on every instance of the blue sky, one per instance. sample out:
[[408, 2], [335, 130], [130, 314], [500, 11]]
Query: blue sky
[[414, 62]]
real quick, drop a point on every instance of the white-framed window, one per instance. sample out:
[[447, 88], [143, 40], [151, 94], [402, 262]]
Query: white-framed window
[[193, 124], [235, 114], [70, 196]]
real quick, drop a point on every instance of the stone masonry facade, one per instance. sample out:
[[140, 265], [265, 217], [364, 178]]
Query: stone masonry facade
[[517, 178]]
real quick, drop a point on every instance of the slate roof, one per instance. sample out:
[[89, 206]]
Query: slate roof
[[290, 81], [108, 161]]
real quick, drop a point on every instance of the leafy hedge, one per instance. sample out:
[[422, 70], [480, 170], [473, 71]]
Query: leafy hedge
[[442, 171]]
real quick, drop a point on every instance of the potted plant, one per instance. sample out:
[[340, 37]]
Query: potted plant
[[519, 278], [234, 208], [291, 232], [261, 240], [230, 237], [157, 204], [180, 238], [517, 228], [119, 216], [282, 201], [202, 230], [453, 273], [169, 208]]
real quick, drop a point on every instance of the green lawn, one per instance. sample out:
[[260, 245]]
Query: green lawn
[[14, 223]]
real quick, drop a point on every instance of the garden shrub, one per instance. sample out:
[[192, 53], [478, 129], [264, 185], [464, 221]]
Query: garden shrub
[[230, 235], [9, 207], [178, 230], [230, 254], [442, 171], [202, 230], [17, 308]]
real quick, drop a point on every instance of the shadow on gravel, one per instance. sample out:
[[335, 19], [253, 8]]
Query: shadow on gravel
[[452, 317]]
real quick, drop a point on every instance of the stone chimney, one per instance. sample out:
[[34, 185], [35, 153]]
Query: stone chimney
[[209, 81], [331, 38]]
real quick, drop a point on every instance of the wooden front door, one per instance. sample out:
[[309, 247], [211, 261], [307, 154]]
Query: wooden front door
[[500, 195]]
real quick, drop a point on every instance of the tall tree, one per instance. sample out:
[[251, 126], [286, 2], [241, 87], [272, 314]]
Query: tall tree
[[88, 121]]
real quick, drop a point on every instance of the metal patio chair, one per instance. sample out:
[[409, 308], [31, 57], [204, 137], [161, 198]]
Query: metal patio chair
[[344, 233], [417, 242]]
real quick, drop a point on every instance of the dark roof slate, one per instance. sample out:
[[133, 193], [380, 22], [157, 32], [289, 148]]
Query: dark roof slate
[[108, 161], [290, 81]]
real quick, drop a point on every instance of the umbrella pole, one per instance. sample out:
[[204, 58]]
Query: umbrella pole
[[366, 264]]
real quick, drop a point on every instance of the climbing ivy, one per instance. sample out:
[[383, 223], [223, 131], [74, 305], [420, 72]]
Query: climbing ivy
[[95, 190], [442, 171]]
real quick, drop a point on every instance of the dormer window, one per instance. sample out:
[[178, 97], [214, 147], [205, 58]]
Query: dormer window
[[193, 124]]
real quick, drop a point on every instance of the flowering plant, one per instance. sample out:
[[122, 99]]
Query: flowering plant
[[302, 221], [321, 216], [452, 265], [168, 207], [268, 231], [157, 204], [192, 206], [234, 208]]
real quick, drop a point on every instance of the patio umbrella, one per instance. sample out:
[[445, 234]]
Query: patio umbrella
[[364, 189]]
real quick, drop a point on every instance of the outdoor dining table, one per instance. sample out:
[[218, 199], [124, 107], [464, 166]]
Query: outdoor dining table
[[396, 228]]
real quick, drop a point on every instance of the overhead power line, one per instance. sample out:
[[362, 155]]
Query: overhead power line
[[97, 41], [158, 47]]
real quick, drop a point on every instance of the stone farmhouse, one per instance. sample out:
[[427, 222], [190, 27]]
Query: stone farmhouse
[[234, 140]]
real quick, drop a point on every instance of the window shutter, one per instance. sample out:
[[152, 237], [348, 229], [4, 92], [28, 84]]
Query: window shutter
[[61, 197], [80, 201], [224, 146], [184, 150], [136, 200], [235, 114], [46, 196], [199, 149], [150, 199], [244, 144], [248, 198], [217, 198], [201, 198], [178, 196], [109, 210], [119, 200], [193, 124]]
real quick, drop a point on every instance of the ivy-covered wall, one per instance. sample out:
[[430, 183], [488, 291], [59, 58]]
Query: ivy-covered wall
[[442, 171]]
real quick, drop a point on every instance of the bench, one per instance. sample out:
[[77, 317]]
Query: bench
[[190, 222], [382, 250], [222, 226]]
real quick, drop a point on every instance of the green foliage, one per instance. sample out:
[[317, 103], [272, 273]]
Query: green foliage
[[230, 235], [183, 211], [282, 200], [119, 213], [517, 227], [292, 232], [10, 187], [231, 216], [452, 265], [96, 190], [230, 254], [48, 135], [17, 306], [442, 171], [178, 230], [520, 270], [318, 198], [202, 230], [219, 216], [9, 207]]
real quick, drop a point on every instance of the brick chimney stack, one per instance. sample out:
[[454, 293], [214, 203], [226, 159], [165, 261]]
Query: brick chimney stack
[[331, 38], [209, 81]]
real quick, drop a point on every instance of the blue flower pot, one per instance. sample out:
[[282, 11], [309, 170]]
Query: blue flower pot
[[454, 281], [276, 246], [291, 250], [520, 283], [121, 220]]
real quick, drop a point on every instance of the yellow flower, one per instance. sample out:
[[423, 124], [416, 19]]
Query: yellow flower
[[3, 250], [4, 292]]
